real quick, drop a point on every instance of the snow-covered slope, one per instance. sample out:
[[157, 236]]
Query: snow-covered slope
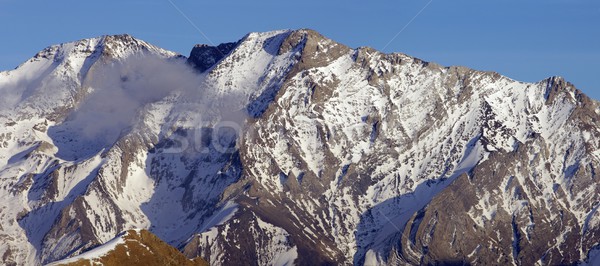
[[287, 147]]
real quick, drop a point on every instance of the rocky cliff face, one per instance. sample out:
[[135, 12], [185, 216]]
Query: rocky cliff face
[[205, 56], [287, 147]]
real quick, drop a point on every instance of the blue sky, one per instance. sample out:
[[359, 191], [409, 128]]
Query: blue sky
[[525, 40]]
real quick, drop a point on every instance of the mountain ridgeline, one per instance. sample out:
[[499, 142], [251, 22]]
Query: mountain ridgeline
[[286, 147]]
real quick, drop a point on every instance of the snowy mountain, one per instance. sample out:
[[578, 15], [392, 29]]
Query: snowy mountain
[[285, 148]]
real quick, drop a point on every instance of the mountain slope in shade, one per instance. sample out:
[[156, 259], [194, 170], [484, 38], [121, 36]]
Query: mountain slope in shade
[[132, 248], [289, 148]]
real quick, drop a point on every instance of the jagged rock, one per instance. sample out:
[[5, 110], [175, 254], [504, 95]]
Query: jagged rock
[[203, 56]]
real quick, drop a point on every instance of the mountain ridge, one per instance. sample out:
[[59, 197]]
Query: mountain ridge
[[134, 247]]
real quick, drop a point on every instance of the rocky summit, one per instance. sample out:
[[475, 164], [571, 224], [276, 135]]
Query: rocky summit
[[286, 147]]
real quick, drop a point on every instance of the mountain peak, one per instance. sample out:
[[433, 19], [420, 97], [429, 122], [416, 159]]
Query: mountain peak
[[114, 46], [124, 44], [315, 48]]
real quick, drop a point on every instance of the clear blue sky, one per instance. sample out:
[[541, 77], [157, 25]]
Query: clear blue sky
[[525, 40]]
